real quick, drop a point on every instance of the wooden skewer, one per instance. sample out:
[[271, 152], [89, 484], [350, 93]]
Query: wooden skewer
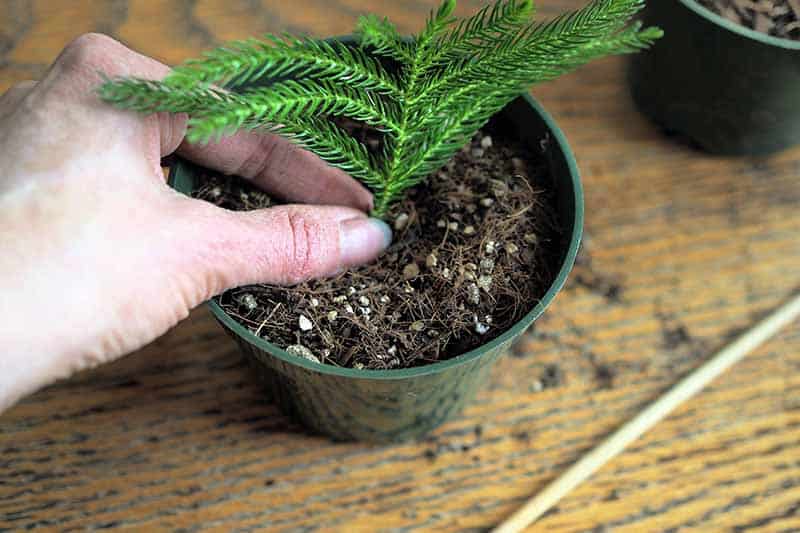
[[682, 391]]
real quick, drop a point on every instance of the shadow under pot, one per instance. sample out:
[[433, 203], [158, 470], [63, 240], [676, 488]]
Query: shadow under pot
[[406, 403], [730, 89]]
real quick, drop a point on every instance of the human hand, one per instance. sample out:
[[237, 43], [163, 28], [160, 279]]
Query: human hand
[[100, 256]]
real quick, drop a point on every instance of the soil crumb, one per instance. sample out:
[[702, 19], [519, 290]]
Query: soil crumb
[[605, 375], [552, 376], [609, 286], [674, 336], [475, 248], [779, 18]]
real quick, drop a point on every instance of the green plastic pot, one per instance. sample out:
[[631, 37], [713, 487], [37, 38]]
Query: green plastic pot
[[394, 405], [730, 89]]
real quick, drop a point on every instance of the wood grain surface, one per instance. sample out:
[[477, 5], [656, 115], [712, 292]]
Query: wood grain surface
[[683, 250]]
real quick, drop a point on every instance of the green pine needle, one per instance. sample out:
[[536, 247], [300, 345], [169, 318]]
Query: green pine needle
[[382, 37], [450, 80], [287, 102]]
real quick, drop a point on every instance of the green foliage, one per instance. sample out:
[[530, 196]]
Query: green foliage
[[447, 81]]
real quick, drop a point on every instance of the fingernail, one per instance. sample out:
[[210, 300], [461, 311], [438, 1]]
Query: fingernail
[[362, 239]]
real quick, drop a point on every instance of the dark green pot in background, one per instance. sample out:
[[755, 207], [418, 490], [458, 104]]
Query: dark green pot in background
[[391, 405], [730, 89]]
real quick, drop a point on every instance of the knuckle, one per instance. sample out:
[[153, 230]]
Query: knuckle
[[302, 255], [172, 129], [88, 50], [260, 160]]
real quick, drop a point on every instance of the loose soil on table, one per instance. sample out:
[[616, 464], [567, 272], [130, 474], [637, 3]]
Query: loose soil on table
[[474, 250], [779, 18]]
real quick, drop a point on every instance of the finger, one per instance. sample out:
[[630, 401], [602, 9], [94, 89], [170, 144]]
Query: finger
[[73, 79], [281, 168], [13, 97], [81, 65], [284, 245]]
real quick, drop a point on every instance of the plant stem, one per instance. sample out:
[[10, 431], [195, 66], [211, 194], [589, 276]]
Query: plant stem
[[381, 206]]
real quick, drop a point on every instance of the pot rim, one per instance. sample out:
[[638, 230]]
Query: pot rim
[[739, 29], [518, 327]]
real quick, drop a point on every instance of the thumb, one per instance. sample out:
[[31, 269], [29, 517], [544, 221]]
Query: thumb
[[283, 245]]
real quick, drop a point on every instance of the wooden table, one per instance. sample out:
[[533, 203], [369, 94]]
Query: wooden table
[[682, 251]]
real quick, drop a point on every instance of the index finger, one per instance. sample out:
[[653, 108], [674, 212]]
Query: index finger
[[281, 168], [272, 162]]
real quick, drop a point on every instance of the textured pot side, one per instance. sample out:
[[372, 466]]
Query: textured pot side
[[730, 89], [392, 405]]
